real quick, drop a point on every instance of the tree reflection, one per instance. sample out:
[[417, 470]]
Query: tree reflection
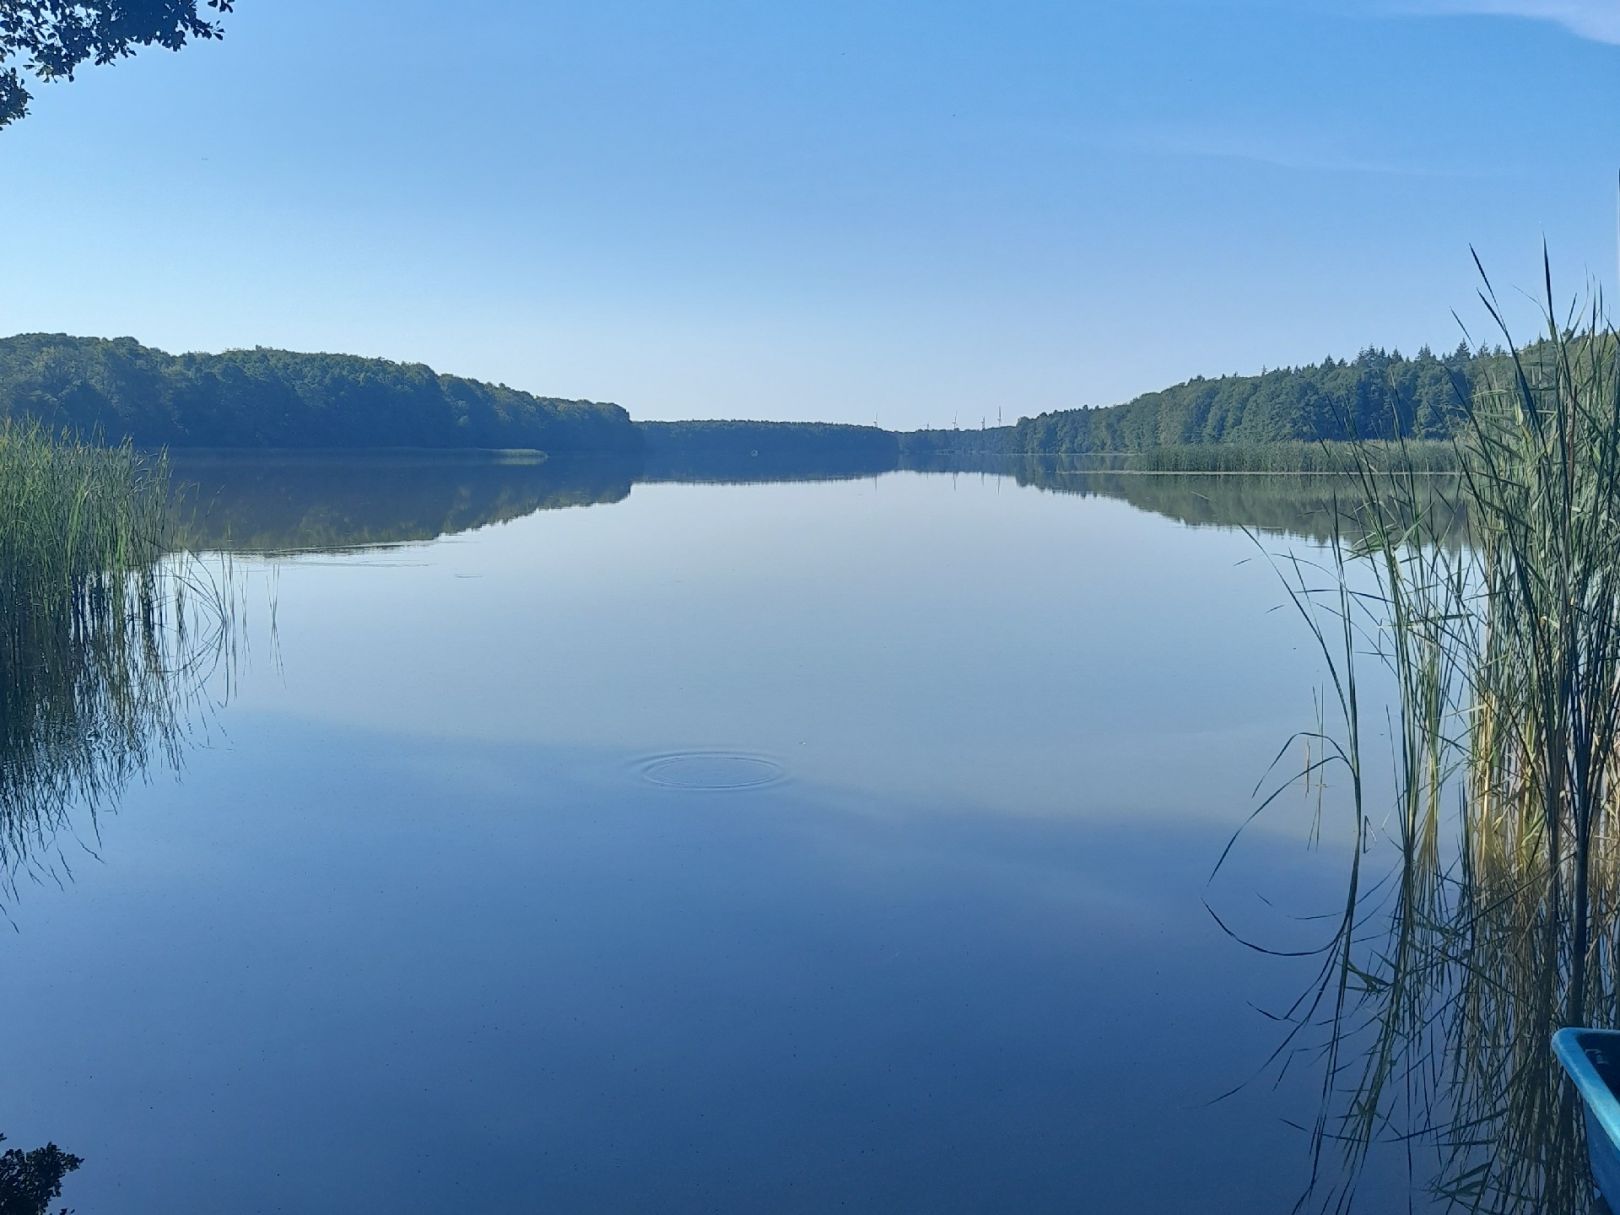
[[292, 502], [1309, 506]]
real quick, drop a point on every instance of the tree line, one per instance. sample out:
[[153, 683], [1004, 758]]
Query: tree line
[[118, 389], [747, 451], [1377, 395]]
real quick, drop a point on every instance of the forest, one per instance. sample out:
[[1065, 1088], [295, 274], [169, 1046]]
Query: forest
[[750, 451], [918, 445], [117, 389], [1377, 395]]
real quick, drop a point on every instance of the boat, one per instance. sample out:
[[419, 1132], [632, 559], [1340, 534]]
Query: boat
[[1592, 1059]]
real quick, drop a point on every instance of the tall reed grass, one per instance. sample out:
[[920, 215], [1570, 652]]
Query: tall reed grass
[[1482, 904], [1327, 457], [106, 636]]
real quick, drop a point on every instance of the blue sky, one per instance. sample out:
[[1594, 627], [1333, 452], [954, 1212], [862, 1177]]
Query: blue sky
[[914, 212]]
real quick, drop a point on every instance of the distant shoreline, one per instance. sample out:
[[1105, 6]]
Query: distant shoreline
[[507, 455]]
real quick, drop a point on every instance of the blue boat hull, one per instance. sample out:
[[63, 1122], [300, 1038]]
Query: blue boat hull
[[1592, 1059]]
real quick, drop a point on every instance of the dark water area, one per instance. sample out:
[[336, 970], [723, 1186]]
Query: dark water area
[[566, 840], [331, 501], [309, 502]]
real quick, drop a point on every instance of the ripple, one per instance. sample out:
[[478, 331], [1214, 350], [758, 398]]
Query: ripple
[[711, 771]]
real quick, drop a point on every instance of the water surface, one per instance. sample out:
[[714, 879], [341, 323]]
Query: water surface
[[807, 846]]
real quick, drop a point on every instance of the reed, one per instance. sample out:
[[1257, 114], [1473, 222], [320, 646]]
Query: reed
[[1482, 908], [107, 637], [1325, 456]]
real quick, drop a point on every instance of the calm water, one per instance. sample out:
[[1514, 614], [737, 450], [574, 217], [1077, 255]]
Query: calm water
[[567, 845]]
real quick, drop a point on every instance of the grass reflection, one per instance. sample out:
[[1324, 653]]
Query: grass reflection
[[1482, 905], [107, 638]]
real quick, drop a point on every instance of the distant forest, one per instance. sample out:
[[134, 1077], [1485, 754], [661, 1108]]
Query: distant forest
[[121, 389], [1377, 395], [745, 451], [1274, 416], [986, 441]]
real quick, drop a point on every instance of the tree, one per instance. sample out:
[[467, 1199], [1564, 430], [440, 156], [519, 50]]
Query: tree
[[45, 40], [30, 1180]]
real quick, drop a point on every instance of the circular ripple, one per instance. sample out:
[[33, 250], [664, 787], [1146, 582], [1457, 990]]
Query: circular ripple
[[711, 771]]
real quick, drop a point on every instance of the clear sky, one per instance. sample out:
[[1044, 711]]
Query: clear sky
[[910, 211]]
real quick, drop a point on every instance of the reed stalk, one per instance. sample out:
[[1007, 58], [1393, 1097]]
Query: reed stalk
[[1483, 905], [107, 637]]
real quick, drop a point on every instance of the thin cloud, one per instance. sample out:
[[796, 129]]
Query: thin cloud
[[1597, 20]]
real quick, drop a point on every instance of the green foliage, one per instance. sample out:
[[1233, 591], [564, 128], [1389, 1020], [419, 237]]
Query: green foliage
[[1378, 395], [98, 648], [1482, 903], [50, 39], [30, 1181], [104, 637], [277, 398], [917, 445], [79, 519]]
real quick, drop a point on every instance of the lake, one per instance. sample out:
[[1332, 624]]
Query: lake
[[560, 841]]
